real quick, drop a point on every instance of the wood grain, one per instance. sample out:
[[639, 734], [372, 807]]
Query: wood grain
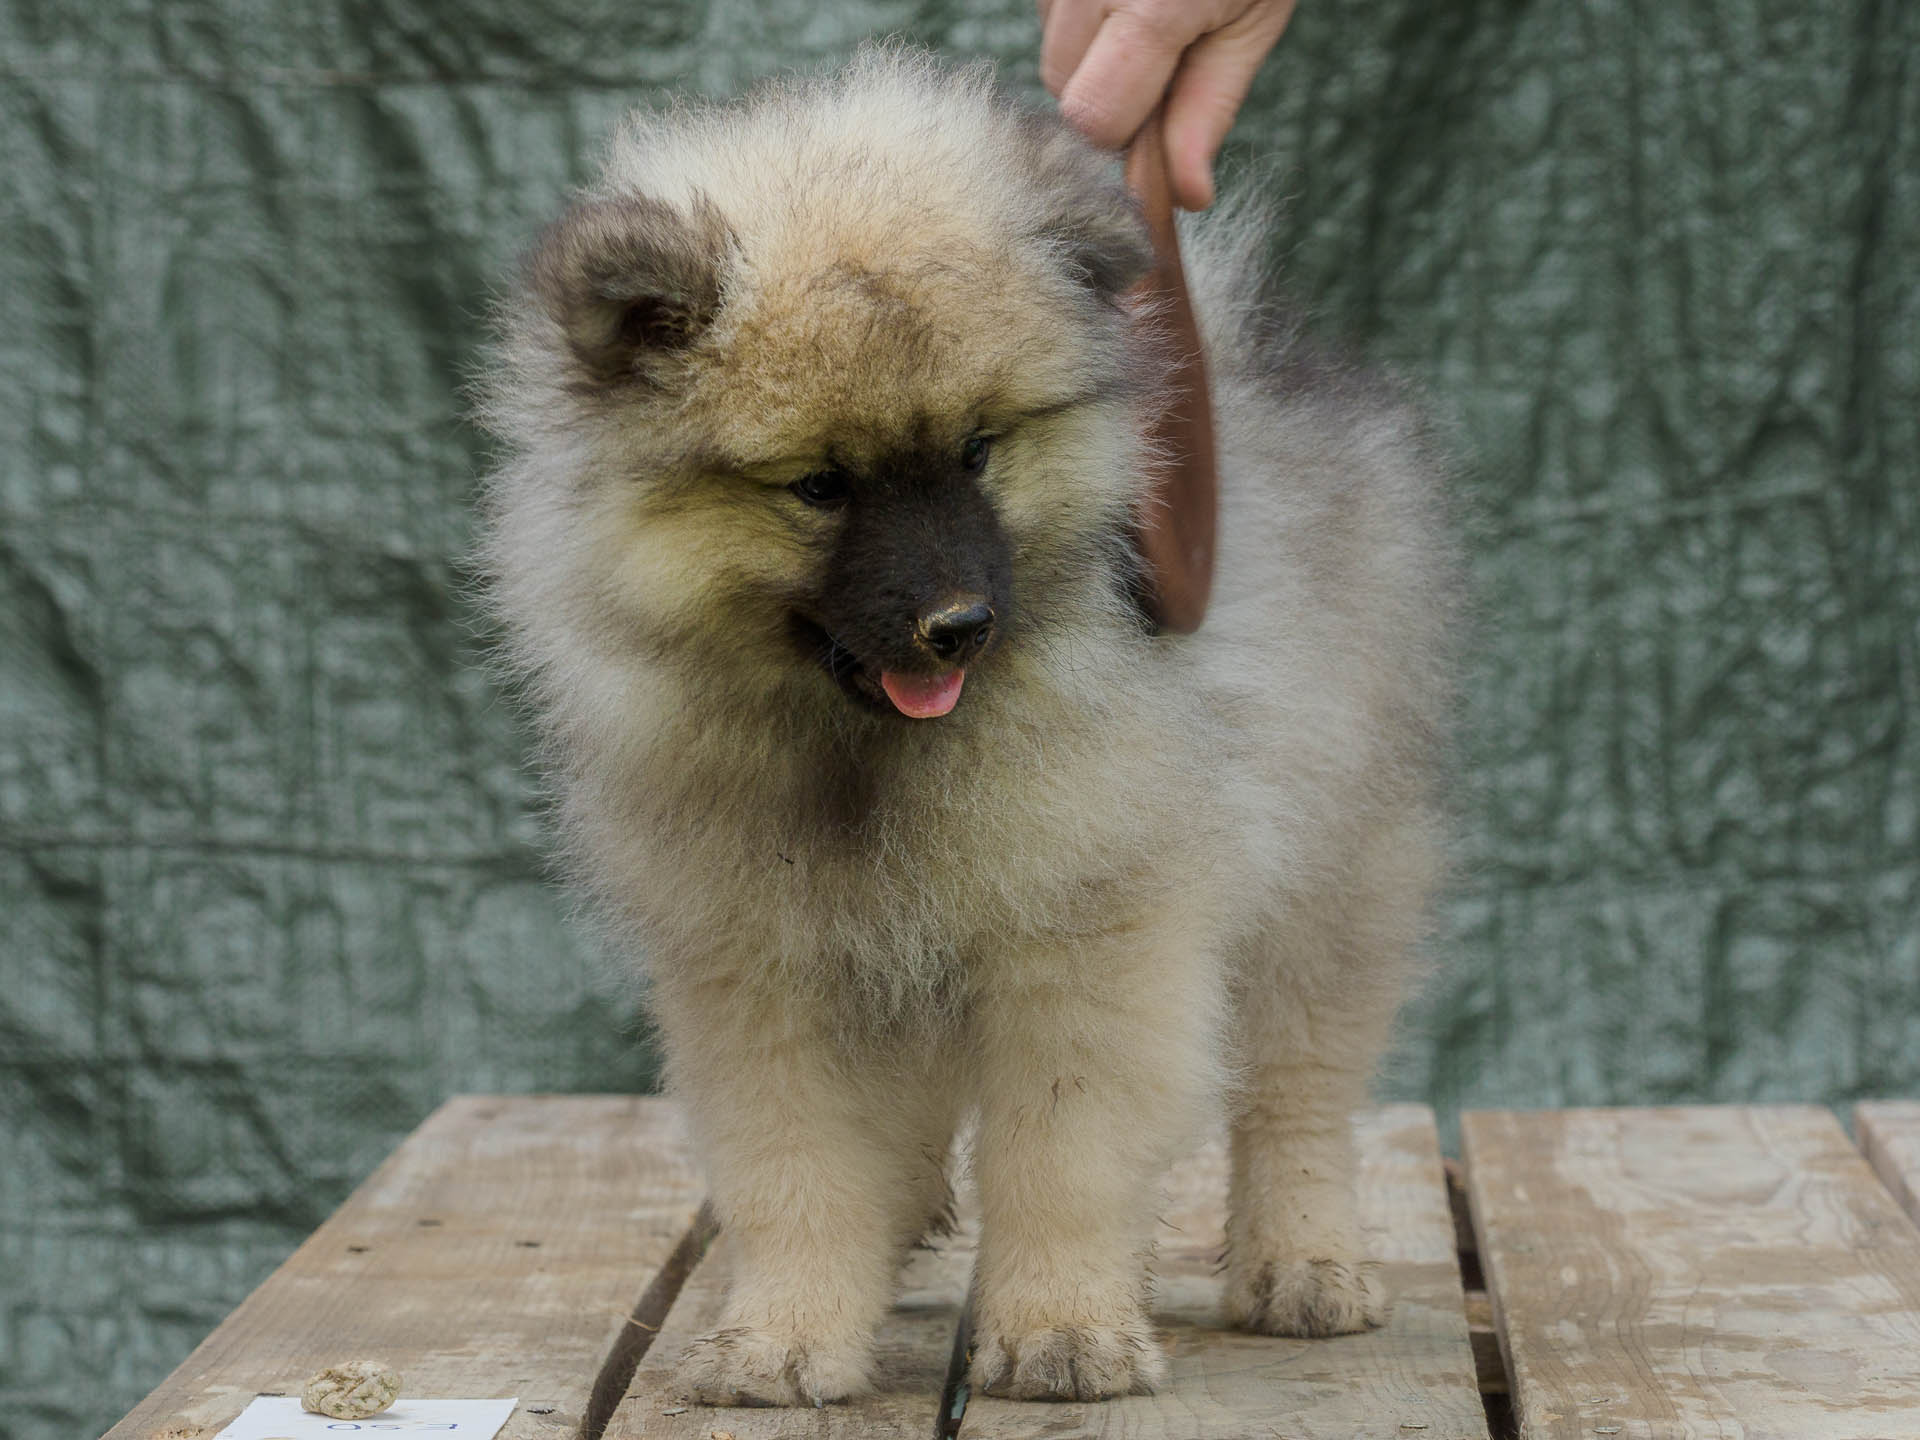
[[1725, 1272], [1889, 1135], [499, 1251], [914, 1347], [1414, 1378]]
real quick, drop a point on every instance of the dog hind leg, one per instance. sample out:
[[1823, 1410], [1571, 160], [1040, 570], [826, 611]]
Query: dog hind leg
[[1317, 1011]]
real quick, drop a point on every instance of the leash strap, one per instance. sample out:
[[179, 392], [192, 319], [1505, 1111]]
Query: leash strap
[[1176, 537]]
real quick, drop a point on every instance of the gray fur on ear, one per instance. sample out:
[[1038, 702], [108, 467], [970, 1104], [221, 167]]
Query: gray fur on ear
[[631, 281], [1089, 214]]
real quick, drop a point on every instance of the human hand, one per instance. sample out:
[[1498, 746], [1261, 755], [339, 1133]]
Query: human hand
[[1110, 62]]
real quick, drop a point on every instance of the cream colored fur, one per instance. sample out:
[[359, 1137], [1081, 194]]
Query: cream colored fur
[[1129, 885]]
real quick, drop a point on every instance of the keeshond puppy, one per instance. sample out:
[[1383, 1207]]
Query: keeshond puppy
[[822, 420]]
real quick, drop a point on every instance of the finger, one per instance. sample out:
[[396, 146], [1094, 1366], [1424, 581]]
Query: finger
[[1205, 96], [1067, 27], [1124, 74]]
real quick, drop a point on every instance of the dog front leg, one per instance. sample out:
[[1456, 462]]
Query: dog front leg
[[814, 1161], [1097, 1068]]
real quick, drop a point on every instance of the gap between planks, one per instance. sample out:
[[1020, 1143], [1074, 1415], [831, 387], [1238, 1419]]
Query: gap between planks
[[1414, 1378]]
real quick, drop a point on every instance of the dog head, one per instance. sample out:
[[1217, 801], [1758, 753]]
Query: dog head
[[834, 388]]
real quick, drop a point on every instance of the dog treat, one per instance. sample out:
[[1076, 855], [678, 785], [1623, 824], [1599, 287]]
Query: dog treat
[[351, 1391]]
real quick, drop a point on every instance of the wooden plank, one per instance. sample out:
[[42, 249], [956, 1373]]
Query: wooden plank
[[1889, 1136], [1413, 1378], [1696, 1272], [914, 1348], [499, 1251]]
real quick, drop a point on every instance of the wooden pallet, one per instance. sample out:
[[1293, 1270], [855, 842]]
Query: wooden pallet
[[1725, 1272]]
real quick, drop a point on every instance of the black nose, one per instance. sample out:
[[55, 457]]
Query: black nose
[[956, 630]]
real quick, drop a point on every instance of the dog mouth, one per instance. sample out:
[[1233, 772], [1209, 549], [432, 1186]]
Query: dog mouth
[[885, 692]]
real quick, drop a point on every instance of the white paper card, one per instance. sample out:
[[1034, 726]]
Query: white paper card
[[279, 1417]]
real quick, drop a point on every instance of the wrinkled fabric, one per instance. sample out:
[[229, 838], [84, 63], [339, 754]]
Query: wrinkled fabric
[[271, 874]]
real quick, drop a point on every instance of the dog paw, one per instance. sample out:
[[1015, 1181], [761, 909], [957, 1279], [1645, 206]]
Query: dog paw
[[1071, 1362], [1304, 1297], [756, 1367]]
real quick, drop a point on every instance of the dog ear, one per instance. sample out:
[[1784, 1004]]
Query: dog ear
[[631, 282], [1090, 219]]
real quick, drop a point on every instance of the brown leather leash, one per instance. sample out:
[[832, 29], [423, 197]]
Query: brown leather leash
[[1176, 537]]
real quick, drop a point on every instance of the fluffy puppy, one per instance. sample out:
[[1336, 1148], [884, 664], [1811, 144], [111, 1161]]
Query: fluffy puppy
[[822, 423]]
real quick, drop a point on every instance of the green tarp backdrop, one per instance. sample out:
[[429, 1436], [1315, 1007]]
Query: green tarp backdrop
[[270, 865]]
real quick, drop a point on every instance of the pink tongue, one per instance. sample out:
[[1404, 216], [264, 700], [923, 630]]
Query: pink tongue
[[923, 696]]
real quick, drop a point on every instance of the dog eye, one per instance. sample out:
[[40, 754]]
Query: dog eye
[[973, 454], [823, 487]]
